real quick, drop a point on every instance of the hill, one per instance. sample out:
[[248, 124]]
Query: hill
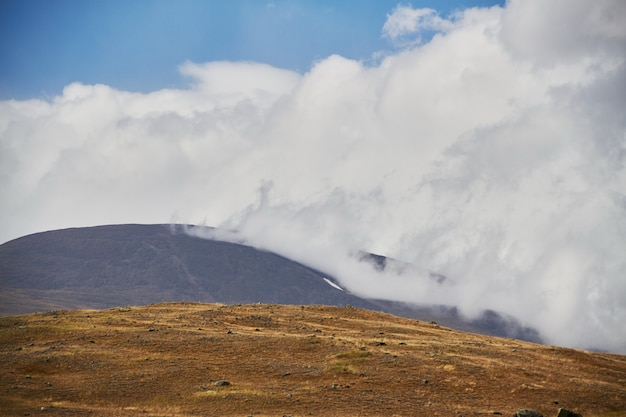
[[116, 265], [272, 360], [105, 266]]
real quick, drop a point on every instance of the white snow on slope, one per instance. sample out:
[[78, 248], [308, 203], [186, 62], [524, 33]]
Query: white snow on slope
[[332, 284]]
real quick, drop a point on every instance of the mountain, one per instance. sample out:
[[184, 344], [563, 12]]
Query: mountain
[[119, 265], [186, 360]]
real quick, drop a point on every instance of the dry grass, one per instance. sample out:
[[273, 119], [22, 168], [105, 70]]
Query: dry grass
[[163, 360]]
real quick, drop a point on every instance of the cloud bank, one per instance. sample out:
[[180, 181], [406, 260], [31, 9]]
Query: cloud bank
[[494, 154]]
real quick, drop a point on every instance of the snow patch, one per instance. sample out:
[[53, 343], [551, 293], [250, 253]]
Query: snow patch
[[332, 284]]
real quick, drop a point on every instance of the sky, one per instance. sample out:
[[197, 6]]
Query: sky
[[138, 45], [485, 141]]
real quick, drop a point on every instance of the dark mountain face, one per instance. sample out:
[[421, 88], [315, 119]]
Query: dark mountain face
[[143, 264], [106, 266]]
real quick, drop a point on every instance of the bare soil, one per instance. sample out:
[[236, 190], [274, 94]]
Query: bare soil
[[164, 360]]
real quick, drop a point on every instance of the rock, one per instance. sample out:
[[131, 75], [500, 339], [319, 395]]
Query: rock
[[567, 413], [221, 383], [527, 413]]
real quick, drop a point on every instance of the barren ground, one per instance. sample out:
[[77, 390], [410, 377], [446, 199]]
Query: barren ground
[[164, 360]]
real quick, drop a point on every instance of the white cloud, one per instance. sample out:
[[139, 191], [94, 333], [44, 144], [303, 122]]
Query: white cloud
[[225, 79], [564, 31], [494, 154], [405, 21]]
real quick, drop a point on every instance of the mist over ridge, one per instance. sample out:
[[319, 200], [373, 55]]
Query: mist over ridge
[[494, 154]]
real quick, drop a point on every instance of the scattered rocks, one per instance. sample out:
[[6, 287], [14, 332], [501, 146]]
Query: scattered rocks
[[527, 413], [222, 383], [532, 413]]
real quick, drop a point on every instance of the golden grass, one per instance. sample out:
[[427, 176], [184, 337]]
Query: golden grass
[[163, 360]]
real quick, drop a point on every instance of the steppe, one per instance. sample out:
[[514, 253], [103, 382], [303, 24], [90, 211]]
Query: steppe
[[286, 360]]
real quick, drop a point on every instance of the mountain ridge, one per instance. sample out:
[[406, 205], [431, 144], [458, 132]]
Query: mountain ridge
[[135, 264]]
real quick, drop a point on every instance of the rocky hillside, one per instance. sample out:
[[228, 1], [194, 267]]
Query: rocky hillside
[[275, 360]]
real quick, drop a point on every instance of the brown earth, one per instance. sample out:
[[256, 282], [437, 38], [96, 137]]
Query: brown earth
[[164, 360]]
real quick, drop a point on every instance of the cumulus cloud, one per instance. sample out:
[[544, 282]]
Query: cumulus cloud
[[405, 25], [494, 154]]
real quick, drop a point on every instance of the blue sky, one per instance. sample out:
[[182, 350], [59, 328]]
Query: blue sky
[[138, 45]]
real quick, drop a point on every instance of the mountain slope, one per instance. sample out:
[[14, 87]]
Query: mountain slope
[[106, 266], [141, 264]]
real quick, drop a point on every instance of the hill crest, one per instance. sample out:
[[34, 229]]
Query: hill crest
[[264, 360]]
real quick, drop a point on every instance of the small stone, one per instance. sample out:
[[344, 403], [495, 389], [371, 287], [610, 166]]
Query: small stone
[[527, 413], [567, 413], [221, 383]]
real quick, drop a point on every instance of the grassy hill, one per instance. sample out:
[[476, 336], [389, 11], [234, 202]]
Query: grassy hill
[[165, 360]]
